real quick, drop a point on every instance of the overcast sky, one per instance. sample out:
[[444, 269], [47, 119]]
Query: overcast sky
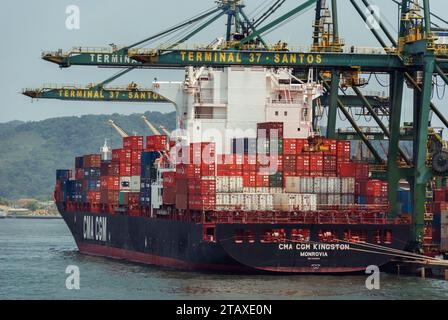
[[30, 26]]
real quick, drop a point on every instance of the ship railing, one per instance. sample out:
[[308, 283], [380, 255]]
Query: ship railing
[[77, 50], [210, 101], [375, 215], [92, 85], [272, 101]]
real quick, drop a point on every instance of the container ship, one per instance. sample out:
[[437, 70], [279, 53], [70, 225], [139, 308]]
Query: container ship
[[246, 183]]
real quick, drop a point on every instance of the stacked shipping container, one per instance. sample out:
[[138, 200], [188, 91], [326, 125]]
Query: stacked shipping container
[[270, 172]]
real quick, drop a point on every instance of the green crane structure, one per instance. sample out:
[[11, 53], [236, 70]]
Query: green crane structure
[[411, 57]]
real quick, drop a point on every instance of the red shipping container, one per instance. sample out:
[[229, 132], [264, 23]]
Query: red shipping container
[[346, 169], [330, 165], [105, 168], [79, 174], [362, 171], [377, 200], [303, 165], [121, 155], [250, 159], [125, 169], [223, 170], [262, 180], [202, 187], [301, 144], [439, 207], [439, 195], [289, 165], [202, 202], [92, 161], [136, 170], [113, 197], [156, 143], [332, 146], [136, 157], [131, 198], [249, 168], [169, 195], [169, 179], [376, 188], [249, 179], [202, 152], [110, 183], [94, 197], [181, 171], [289, 146], [343, 151], [133, 143], [207, 169], [182, 201], [182, 186], [114, 169], [316, 164]]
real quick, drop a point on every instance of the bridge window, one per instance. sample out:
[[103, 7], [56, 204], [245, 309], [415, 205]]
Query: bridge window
[[273, 236], [300, 235], [244, 236], [355, 235], [328, 236]]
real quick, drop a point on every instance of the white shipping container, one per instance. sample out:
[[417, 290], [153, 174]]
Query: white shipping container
[[262, 190], [247, 206], [320, 185], [262, 202], [334, 185], [292, 184], [308, 202], [299, 185], [235, 184], [135, 183], [222, 184], [249, 190], [236, 199], [255, 202], [348, 199], [334, 199], [275, 190], [306, 185], [348, 185], [286, 202], [322, 199]]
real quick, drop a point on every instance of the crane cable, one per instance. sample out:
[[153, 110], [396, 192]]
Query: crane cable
[[379, 82]]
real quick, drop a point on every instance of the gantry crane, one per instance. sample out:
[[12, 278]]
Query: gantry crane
[[411, 57]]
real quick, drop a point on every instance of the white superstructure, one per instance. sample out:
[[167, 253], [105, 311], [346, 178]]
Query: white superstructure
[[220, 104]]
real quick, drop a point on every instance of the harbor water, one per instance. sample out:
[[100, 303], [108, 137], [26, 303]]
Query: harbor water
[[34, 255]]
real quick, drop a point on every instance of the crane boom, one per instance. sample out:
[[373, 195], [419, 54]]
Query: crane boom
[[151, 126], [165, 130], [120, 131], [131, 93]]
